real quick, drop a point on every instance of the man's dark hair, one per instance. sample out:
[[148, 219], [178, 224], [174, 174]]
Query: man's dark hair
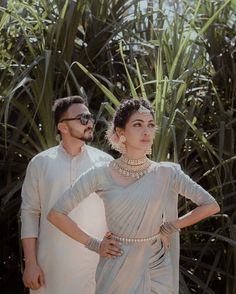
[[61, 105]]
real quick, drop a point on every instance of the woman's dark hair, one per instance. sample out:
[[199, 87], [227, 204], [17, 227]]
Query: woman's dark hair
[[126, 109], [61, 106]]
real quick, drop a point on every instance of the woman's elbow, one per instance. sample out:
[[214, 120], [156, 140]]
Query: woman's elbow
[[52, 216], [215, 207]]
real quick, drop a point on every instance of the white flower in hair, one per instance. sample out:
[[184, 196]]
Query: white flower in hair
[[144, 110]]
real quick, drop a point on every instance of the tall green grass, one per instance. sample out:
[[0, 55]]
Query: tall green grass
[[179, 56]]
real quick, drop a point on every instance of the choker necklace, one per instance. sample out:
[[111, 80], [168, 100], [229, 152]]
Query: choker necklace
[[135, 168]]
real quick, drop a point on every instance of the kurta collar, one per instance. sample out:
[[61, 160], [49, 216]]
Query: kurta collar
[[83, 149]]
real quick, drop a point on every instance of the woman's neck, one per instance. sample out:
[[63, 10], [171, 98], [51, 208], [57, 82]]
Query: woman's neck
[[134, 156]]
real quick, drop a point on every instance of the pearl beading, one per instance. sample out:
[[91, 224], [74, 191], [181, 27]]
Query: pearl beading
[[135, 168], [134, 161], [135, 240]]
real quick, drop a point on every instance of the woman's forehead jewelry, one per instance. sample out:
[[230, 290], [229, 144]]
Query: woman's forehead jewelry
[[144, 110]]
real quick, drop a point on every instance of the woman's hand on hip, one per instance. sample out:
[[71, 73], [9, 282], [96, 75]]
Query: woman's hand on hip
[[110, 248]]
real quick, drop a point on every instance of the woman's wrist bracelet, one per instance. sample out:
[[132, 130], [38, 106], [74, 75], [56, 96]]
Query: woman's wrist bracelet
[[168, 228], [93, 244]]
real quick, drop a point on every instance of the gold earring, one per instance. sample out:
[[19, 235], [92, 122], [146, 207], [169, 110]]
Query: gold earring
[[149, 151], [58, 137], [121, 145]]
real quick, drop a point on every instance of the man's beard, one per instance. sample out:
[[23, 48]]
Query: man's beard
[[84, 138]]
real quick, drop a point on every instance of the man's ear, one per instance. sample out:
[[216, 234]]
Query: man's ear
[[62, 127]]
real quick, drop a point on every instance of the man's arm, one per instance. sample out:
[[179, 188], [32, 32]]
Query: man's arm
[[33, 276]]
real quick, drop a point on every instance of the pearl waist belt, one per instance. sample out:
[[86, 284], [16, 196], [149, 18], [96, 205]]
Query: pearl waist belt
[[134, 240]]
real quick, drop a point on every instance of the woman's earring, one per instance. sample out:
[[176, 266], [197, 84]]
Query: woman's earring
[[149, 151], [58, 137], [121, 144]]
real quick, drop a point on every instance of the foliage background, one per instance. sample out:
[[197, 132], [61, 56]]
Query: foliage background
[[181, 55]]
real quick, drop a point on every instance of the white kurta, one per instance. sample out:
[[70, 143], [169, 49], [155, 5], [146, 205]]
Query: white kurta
[[67, 265]]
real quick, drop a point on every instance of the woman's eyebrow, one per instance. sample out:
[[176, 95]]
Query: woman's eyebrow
[[140, 120]]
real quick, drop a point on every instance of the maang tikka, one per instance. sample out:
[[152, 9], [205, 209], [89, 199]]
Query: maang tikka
[[144, 110]]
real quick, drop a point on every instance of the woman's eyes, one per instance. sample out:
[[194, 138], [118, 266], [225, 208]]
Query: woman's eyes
[[137, 125], [151, 125]]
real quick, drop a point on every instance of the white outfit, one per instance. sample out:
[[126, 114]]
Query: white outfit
[[68, 266]]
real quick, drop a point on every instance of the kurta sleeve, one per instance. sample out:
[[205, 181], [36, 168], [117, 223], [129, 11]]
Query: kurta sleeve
[[86, 184], [30, 207], [186, 187]]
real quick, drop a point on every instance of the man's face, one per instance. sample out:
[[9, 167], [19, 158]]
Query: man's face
[[71, 123]]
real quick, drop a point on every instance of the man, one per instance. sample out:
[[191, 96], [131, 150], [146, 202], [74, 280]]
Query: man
[[54, 263]]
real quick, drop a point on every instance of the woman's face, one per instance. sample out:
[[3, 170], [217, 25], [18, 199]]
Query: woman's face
[[139, 132]]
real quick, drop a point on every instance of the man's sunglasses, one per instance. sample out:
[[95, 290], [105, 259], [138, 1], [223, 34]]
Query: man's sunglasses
[[84, 118]]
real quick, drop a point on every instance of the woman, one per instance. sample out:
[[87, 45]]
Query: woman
[[140, 198]]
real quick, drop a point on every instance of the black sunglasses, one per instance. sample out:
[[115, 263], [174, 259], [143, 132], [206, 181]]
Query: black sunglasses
[[84, 118]]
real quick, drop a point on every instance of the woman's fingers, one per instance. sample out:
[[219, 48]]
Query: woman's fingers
[[110, 248], [113, 253], [166, 241]]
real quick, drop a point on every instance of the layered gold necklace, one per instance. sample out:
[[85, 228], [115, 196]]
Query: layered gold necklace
[[135, 168]]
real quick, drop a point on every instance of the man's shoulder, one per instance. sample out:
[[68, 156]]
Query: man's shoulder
[[98, 155], [45, 154]]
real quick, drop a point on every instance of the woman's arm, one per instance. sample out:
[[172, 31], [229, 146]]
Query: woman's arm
[[108, 248], [58, 216], [68, 226], [196, 215], [207, 205]]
